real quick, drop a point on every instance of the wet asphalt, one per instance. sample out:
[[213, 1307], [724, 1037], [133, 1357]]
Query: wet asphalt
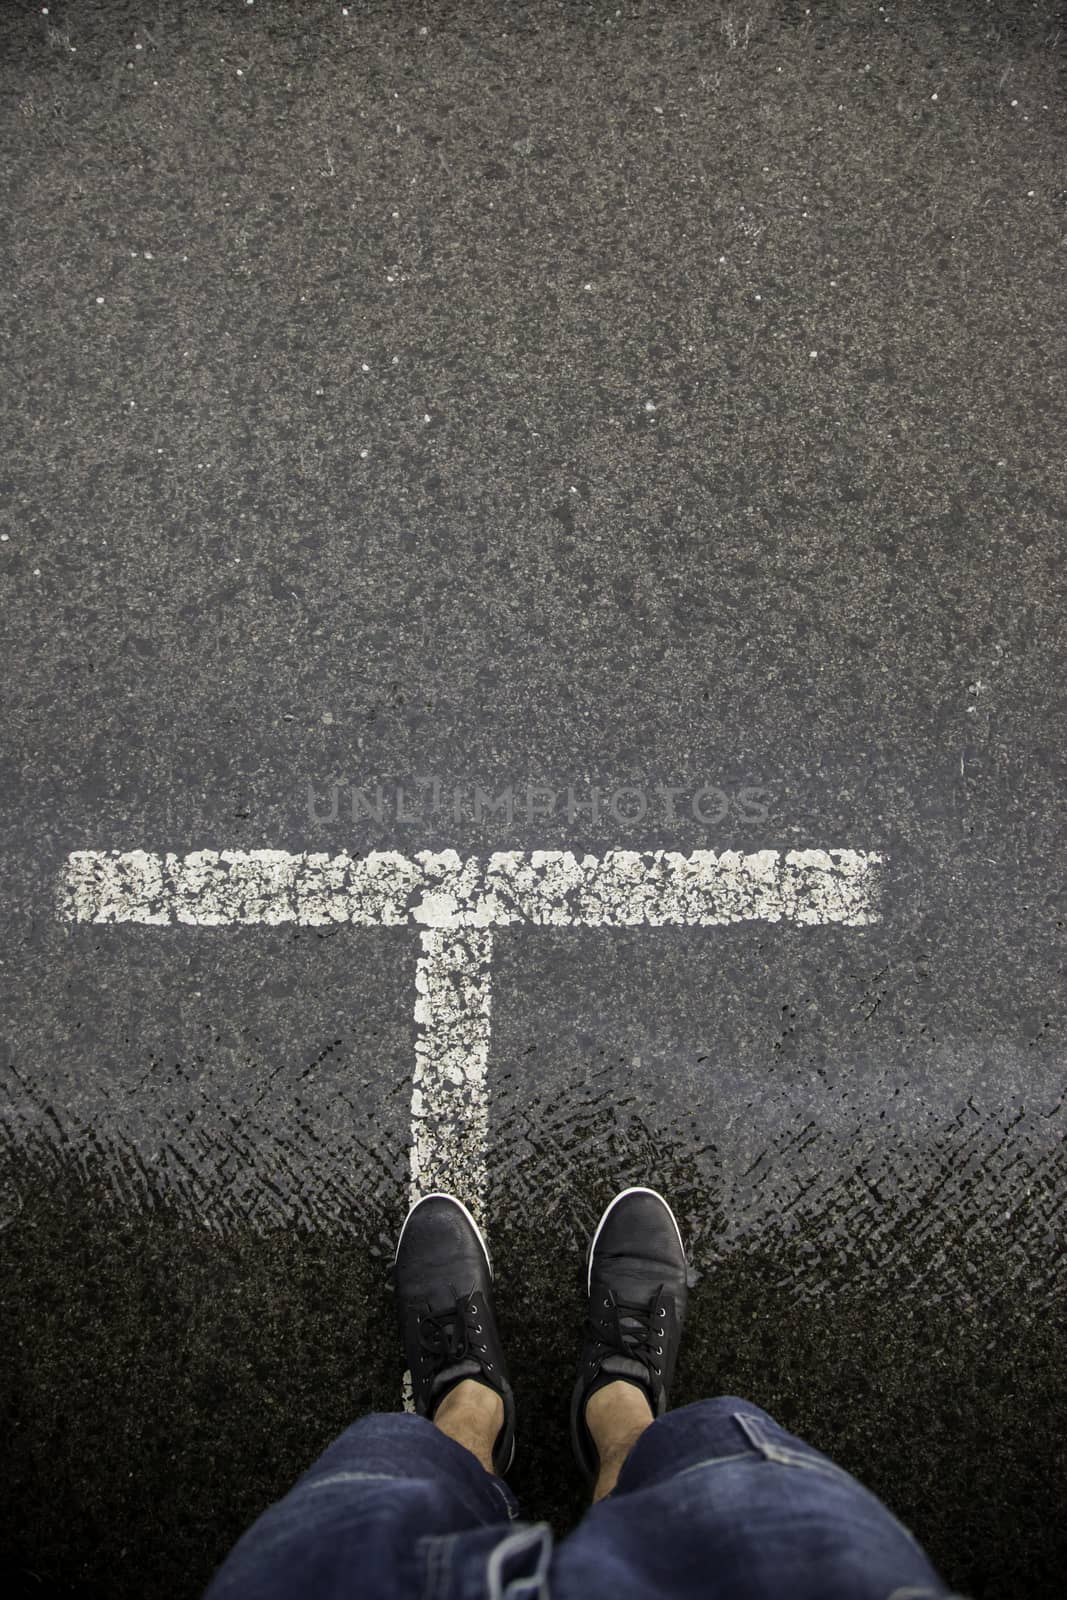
[[591, 427]]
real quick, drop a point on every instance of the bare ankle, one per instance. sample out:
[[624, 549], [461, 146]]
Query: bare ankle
[[616, 1416], [473, 1415]]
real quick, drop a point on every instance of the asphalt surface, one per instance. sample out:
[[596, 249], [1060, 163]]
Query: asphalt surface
[[578, 397]]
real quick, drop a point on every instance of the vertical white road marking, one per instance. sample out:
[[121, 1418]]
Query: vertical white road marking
[[449, 1097]]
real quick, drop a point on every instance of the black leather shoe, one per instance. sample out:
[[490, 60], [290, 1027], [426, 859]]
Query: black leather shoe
[[443, 1281], [637, 1300]]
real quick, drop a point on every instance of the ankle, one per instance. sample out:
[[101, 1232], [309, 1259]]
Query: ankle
[[616, 1416], [473, 1415]]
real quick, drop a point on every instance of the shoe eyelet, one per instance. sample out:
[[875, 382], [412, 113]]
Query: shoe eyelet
[[663, 1311], [659, 1349], [607, 1303], [488, 1366]]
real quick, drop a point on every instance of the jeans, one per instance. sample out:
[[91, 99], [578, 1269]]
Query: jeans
[[715, 1499]]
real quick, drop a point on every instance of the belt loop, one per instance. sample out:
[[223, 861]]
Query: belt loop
[[523, 1585]]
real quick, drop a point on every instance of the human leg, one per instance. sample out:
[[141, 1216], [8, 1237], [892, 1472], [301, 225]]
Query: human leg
[[715, 1498], [356, 1521], [382, 1510]]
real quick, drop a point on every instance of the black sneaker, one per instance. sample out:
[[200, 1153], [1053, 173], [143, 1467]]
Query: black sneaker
[[637, 1299], [444, 1294]]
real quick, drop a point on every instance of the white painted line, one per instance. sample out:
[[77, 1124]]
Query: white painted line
[[449, 1095], [623, 888], [456, 902]]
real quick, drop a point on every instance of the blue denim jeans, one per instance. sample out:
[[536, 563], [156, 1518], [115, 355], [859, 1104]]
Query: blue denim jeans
[[715, 1499]]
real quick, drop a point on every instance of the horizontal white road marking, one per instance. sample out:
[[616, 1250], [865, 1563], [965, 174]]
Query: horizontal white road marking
[[623, 888]]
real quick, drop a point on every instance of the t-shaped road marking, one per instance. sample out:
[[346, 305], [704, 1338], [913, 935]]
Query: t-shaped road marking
[[456, 902]]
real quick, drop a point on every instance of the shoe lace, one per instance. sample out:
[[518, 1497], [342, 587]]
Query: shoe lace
[[446, 1335], [629, 1328]]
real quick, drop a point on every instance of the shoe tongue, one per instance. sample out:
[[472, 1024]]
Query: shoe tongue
[[453, 1374]]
